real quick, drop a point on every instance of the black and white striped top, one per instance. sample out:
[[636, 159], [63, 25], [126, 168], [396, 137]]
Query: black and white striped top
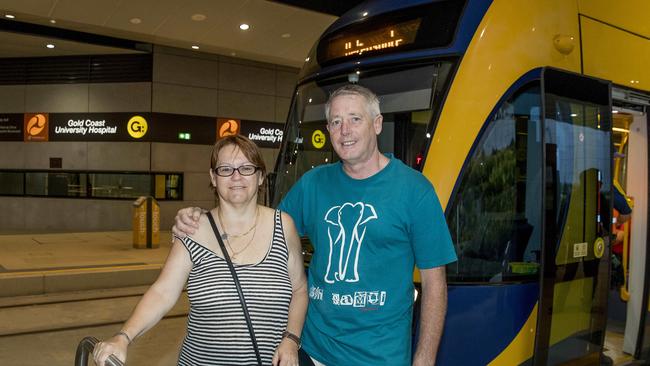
[[217, 333]]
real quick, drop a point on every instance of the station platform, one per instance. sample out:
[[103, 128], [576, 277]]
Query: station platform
[[37, 264]]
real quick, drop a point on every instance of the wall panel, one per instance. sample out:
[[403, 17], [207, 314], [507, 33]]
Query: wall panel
[[12, 98], [190, 71], [246, 106], [12, 155], [55, 98], [125, 156], [172, 98], [74, 155], [248, 79], [120, 97]]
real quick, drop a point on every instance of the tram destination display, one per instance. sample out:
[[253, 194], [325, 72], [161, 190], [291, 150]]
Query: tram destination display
[[387, 37]]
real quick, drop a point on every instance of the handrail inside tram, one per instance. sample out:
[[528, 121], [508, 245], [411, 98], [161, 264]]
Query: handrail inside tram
[[84, 350]]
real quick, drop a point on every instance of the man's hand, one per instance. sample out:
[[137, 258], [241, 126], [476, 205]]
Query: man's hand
[[186, 221]]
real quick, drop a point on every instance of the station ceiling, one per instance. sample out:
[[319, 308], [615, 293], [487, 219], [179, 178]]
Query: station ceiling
[[281, 31]]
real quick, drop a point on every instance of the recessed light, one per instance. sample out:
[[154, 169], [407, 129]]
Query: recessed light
[[9, 16], [244, 26], [199, 17], [49, 45], [233, 54], [52, 21], [286, 35], [135, 20], [195, 47]]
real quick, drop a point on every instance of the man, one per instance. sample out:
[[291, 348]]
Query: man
[[371, 219]]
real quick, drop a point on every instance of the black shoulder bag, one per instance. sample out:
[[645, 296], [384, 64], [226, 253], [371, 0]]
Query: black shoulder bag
[[238, 286]]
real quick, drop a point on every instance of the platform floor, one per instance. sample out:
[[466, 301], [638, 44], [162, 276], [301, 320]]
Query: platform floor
[[33, 264]]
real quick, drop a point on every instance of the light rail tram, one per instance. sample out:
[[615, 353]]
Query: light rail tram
[[523, 115]]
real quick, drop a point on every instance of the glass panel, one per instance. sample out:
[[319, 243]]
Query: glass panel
[[120, 185], [578, 155], [174, 187], [495, 215], [408, 97], [12, 183], [168, 186], [36, 183]]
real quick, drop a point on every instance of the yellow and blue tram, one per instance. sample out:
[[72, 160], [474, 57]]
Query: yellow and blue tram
[[513, 110]]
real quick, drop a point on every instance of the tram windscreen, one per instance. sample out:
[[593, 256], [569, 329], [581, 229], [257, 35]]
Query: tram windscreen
[[409, 98]]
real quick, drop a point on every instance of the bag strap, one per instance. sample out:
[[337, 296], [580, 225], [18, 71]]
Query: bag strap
[[238, 286]]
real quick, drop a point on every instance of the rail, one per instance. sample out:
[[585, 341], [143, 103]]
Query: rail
[[85, 348]]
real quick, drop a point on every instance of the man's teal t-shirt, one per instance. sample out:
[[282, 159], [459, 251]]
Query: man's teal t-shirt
[[367, 234]]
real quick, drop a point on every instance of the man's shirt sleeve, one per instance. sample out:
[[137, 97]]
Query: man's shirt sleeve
[[432, 244]]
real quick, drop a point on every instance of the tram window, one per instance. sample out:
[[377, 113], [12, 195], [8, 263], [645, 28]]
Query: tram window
[[495, 216]]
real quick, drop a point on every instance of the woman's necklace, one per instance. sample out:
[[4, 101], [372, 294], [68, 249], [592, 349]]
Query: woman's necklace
[[227, 236]]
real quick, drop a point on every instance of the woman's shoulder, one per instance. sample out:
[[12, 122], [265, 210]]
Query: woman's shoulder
[[204, 232]]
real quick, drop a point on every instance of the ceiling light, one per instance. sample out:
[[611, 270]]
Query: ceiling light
[[614, 111], [233, 54], [135, 20], [244, 26], [199, 17], [49, 45], [52, 21], [365, 13], [9, 16], [195, 47], [307, 59], [286, 35]]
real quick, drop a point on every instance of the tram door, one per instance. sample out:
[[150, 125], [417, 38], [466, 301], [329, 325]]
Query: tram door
[[577, 195]]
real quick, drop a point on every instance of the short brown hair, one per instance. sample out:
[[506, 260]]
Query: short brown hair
[[250, 151]]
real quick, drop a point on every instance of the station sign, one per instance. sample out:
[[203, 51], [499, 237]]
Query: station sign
[[134, 126], [263, 134], [98, 126], [11, 127]]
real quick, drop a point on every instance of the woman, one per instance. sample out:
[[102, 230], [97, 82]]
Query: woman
[[266, 252]]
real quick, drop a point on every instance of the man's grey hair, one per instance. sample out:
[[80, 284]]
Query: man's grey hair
[[372, 102]]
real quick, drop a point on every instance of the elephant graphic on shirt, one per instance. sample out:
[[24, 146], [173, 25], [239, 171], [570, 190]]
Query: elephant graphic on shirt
[[346, 230]]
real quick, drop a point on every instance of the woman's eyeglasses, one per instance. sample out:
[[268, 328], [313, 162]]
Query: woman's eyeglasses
[[227, 171]]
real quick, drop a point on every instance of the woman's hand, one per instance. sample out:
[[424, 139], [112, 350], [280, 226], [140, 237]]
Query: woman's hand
[[117, 345], [286, 354]]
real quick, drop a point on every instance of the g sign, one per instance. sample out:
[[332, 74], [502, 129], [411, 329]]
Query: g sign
[[137, 127], [318, 139]]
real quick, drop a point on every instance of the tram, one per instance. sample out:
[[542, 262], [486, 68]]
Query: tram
[[522, 114]]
